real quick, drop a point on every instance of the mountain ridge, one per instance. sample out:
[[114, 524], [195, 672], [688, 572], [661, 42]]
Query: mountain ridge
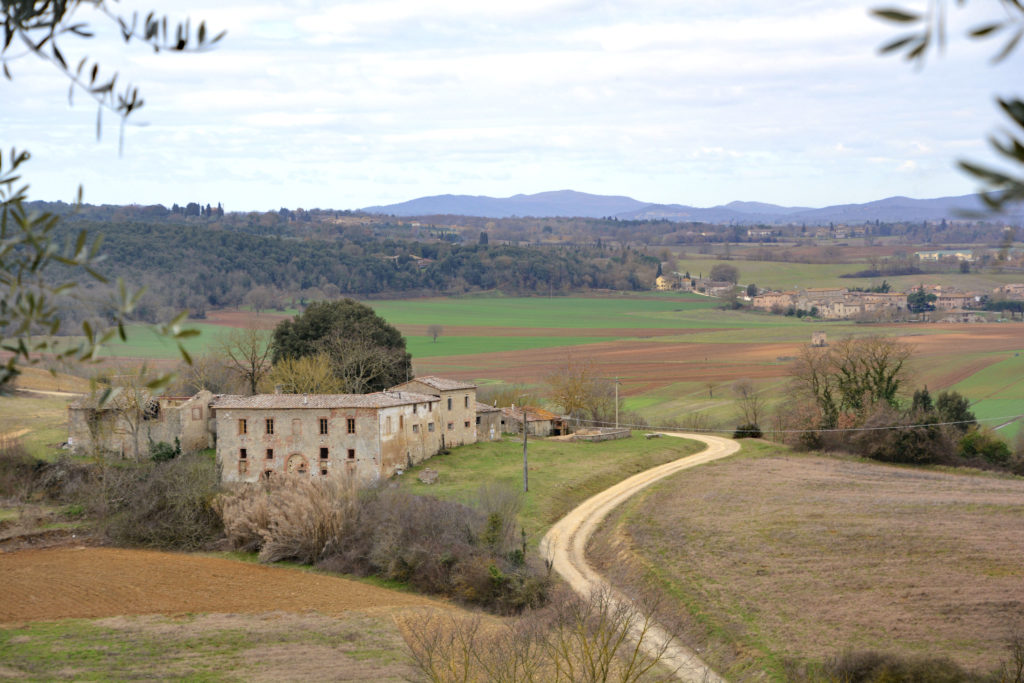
[[571, 203]]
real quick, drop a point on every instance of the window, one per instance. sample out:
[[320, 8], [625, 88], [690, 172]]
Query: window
[[323, 453], [323, 425], [415, 429], [323, 471], [270, 425], [242, 455], [478, 419], [451, 426], [449, 403], [197, 412], [387, 425], [267, 473], [296, 426], [467, 424], [414, 407], [430, 427], [351, 425], [270, 454], [243, 427], [243, 466], [401, 422], [467, 400], [351, 454]]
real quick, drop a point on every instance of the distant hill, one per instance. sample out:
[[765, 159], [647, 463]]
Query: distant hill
[[568, 203]]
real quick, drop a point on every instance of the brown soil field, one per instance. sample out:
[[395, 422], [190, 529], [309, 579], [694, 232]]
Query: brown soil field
[[87, 582], [803, 558]]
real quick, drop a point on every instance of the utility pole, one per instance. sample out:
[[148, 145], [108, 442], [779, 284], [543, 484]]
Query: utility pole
[[616, 402], [526, 475]]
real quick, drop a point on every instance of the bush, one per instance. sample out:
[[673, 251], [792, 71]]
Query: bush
[[434, 546], [288, 518], [747, 431], [875, 667], [163, 505], [161, 451], [19, 471], [983, 443]]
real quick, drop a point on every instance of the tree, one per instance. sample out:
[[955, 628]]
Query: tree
[[919, 301], [366, 352], [723, 272], [247, 352], [751, 290], [29, 288], [306, 375], [434, 331], [580, 393], [1001, 188], [852, 376], [749, 402]]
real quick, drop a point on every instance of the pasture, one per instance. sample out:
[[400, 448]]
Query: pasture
[[785, 560]]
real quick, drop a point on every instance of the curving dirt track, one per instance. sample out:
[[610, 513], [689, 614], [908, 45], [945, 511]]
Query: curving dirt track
[[565, 544], [62, 583]]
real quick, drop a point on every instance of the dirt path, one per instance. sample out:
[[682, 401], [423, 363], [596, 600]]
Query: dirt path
[[566, 542]]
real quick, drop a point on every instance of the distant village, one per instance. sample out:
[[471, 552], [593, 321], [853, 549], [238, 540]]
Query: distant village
[[841, 303]]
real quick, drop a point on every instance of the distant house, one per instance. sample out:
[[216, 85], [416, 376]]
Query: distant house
[[133, 420], [488, 422], [457, 408], [359, 437], [539, 422], [951, 301]]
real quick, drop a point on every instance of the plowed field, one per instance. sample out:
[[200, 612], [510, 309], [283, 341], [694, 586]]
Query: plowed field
[[100, 582]]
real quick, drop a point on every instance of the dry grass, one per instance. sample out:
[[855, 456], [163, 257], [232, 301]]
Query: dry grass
[[797, 558]]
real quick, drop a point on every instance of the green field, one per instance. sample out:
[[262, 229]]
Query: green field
[[425, 347], [622, 311], [562, 474]]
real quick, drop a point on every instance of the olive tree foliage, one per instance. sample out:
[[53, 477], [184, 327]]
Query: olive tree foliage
[[30, 290], [852, 377], [927, 31]]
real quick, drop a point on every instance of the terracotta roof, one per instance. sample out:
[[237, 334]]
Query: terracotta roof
[[486, 408], [440, 383], [381, 399], [532, 414]]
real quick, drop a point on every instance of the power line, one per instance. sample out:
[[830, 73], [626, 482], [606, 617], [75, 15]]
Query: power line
[[704, 430]]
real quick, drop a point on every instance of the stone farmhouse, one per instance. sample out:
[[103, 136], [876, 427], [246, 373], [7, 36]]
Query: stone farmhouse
[[131, 421], [457, 407], [489, 422], [363, 437]]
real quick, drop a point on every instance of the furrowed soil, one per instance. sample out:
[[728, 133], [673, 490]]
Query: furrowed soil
[[90, 582], [801, 558]]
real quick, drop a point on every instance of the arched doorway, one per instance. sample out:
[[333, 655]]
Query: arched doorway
[[297, 464]]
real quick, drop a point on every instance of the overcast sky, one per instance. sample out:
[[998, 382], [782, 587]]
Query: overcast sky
[[344, 105]]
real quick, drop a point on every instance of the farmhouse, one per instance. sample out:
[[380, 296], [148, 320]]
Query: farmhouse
[[361, 437], [457, 406], [132, 420], [539, 422]]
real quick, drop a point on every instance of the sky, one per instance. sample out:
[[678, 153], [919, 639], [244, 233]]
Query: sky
[[351, 104]]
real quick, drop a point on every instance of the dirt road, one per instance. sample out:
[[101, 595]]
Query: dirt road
[[566, 542]]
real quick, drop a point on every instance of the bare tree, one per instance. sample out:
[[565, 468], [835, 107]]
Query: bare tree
[[749, 401], [358, 363], [434, 331], [305, 375], [852, 376], [581, 394], [247, 352]]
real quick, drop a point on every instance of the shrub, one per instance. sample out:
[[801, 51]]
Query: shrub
[[747, 431], [288, 518], [162, 451], [19, 471], [985, 444], [875, 667], [163, 505]]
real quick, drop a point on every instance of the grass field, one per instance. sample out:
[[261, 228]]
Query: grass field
[[561, 474], [39, 422], [784, 560]]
